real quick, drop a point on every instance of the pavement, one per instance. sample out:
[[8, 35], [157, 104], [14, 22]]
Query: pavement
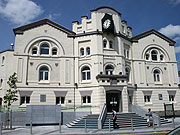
[[54, 130]]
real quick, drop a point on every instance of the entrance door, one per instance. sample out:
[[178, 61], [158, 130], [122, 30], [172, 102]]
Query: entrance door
[[113, 100]]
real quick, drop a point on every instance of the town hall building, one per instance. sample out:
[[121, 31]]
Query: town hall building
[[97, 62]]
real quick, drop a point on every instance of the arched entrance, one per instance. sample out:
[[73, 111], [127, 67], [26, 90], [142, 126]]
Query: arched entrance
[[113, 100]]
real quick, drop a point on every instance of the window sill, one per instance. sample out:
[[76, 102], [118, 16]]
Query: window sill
[[84, 104], [147, 103], [158, 83], [108, 49], [43, 82], [85, 81]]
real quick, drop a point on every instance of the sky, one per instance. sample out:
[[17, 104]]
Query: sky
[[141, 15]]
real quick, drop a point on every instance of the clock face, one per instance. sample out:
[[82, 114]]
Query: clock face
[[106, 24]]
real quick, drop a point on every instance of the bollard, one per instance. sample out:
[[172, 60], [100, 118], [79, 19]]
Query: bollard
[[31, 127], [85, 125], [109, 125], [132, 124], [173, 122], [1, 128], [59, 126]]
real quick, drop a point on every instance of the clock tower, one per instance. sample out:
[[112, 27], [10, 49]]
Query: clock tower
[[107, 23]]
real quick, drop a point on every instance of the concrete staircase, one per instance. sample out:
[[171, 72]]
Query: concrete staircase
[[123, 121], [91, 122]]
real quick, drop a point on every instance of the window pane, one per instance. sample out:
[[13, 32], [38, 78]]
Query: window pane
[[40, 75], [89, 99], [44, 49], [104, 44], [34, 51], [84, 99], [22, 100], [46, 76], [82, 51], [88, 75], [88, 51], [27, 100], [62, 100], [57, 100], [154, 55], [54, 52], [83, 76], [147, 56], [110, 44]]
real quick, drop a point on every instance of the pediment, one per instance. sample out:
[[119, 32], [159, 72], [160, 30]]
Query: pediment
[[20, 30], [147, 33]]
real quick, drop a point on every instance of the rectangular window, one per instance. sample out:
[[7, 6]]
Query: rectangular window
[[172, 98], [60, 100], [86, 99], [24, 100], [42, 98], [147, 98]]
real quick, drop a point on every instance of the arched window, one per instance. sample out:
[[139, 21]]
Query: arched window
[[111, 44], [147, 56], [34, 50], [82, 51], [43, 73], [88, 51], [154, 55], [54, 51], [86, 73], [109, 70], [127, 73], [161, 57], [104, 43], [44, 49], [156, 74]]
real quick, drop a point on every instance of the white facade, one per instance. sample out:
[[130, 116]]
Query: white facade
[[90, 67]]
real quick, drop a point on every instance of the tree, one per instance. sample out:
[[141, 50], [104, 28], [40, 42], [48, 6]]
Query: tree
[[11, 96]]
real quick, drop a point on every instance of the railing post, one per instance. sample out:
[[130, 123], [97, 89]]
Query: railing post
[[85, 125], [132, 124], [109, 125], [153, 124], [59, 126], [31, 127], [1, 128], [173, 122]]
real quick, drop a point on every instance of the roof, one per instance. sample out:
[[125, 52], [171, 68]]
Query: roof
[[147, 33], [105, 7], [8, 50], [20, 30]]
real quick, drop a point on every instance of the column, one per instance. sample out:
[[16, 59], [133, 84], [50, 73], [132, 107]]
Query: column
[[124, 99]]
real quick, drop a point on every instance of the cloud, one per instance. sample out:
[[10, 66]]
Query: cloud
[[174, 2], [171, 30], [54, 16], [177, 49], [19, 12]]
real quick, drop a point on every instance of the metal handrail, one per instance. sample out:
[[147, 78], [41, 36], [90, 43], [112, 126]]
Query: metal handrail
[[102, 116]]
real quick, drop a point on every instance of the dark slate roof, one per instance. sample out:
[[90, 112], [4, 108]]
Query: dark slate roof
[[20, 30], [104, 7], [147, 33]]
